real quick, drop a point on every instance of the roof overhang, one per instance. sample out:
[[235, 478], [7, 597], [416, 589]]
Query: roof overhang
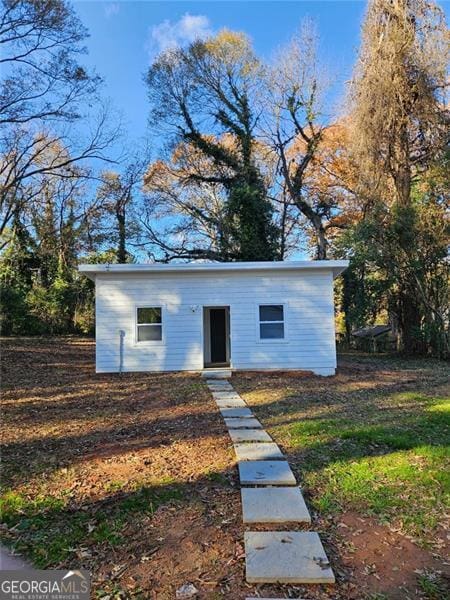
[[91, 271]]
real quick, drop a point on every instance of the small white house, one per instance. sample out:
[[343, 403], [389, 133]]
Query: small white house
[[242, 315]]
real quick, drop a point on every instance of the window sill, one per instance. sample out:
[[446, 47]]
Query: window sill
[[272, 341]]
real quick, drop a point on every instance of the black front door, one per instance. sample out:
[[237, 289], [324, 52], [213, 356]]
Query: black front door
[[218, 328]]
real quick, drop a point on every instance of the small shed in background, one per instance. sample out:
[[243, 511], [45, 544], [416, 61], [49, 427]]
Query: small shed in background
[[376, 338]]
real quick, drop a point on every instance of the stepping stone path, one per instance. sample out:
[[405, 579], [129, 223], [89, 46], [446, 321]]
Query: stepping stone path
[[270, 556], [222, 387], [226, 396]]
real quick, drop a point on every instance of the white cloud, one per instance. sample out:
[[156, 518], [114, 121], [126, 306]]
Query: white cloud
[[170, 34], [111, 9]]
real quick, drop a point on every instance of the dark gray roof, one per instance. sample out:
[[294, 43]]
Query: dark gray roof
[[374, 331]]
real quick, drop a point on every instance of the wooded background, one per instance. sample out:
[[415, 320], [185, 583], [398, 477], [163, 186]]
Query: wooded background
[[255, 166]]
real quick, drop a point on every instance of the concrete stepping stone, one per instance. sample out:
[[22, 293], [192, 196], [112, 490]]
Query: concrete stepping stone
[[231, 403], [225, 394], [236, 412], [214, 374], [249, 435], [274, 505], [222, 386], [219, 377], [243, 423], [12, 562], [286, 557], [268, 451], [266, 472], [229, 397]]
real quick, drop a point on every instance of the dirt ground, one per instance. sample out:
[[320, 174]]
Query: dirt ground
[[133, 478]]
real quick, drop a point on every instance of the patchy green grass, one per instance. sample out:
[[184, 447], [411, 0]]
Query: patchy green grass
[[375, 440], [50, 531], [432, 586], [392, 468], [386, 467]]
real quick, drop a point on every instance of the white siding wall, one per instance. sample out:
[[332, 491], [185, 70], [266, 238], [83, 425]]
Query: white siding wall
[[309, 320]]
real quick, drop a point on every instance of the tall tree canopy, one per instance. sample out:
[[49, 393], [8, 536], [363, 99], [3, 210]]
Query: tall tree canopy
[[399, 93], [400, 131], [40, 44], [205, 96], [253, 131]]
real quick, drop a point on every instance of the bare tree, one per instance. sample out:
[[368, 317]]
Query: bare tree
[[40, 43], [26, 158], [184, 216], [295, 125], [44, 91], [116, 194]]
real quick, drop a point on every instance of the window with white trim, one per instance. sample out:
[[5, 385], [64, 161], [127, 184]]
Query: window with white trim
[[148, 324], [271, 321]]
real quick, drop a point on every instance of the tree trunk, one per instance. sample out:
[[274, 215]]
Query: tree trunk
[[321, 240], [409, 309], [347, 291], [409, 322], [121, 246]]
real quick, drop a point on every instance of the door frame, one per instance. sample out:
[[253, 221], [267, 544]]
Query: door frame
[[207, 336]]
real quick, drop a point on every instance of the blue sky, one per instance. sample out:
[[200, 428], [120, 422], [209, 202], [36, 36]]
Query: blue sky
[[126, 34]]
